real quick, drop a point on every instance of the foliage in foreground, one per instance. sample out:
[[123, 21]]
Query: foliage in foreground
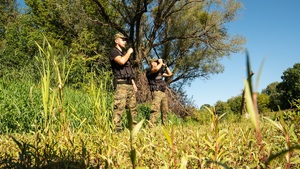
[[60, 138], [174, 146]]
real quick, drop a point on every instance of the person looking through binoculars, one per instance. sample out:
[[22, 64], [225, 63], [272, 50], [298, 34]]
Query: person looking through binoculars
[[155, 75]]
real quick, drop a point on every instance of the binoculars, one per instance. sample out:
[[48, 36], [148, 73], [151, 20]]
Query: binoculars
[[164, 61]]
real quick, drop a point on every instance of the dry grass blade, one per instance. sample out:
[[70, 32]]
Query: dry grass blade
[[184, 161], [167, 137], [137, 128], [276, 124]]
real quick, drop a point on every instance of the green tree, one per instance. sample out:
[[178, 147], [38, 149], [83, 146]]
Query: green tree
[[190, 35], [235, 104], [18, 37], [46, 16], [263, 102], [8, 13], [205, 105], [290, 86], [222, 107], [67, 27], [20, 40], [72, 22], [274, 94], [83, 59]]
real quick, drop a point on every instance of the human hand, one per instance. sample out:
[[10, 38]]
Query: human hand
[[135, 88], [130, 51], [160, 61]]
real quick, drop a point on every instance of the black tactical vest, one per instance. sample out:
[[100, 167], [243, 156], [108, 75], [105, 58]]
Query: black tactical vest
[[122, 71], [155, 80]]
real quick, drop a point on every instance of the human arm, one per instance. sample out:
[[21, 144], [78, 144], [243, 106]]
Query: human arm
[[156, 67], [168, 72], [121, 60], [134, 85]]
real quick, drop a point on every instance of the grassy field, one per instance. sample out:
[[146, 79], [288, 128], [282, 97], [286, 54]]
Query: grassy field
[[231, 145], [46, 124]]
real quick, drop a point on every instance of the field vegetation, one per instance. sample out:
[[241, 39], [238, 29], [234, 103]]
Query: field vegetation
[[46, 124], [56, 90]]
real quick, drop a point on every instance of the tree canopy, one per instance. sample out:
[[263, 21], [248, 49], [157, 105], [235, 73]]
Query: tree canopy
[[274, 94], [290, 86], [190, 35]]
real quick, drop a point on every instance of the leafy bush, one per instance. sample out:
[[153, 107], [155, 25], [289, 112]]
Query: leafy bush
[[19, 106]]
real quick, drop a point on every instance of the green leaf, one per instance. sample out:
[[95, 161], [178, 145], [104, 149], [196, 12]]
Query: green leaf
[[167, 137], [222, 115], [221, 138], [281, 153], [209, 110], [137, 128], [208, 143], [250, 107], [274, 123]]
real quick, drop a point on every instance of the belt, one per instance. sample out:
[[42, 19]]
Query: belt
[[123, 81]]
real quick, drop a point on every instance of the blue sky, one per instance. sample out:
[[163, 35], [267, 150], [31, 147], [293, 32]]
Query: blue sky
[[272, 29]]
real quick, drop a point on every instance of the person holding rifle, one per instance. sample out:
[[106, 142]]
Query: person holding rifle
[[155, 75], [124, 84]]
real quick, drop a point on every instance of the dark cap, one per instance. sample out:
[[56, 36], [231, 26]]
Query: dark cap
[[120, 35]]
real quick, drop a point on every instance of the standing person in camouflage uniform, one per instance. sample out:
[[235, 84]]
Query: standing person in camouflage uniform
[[125, 87], [155, 76]]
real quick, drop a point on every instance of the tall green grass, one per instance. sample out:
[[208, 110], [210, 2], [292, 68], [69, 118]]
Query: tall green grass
[[56, 126], [264, 159]]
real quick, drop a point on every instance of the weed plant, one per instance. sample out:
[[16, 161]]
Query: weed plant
[[51, 125]]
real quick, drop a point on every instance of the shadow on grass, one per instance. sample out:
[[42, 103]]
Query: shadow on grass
[[47, 156]]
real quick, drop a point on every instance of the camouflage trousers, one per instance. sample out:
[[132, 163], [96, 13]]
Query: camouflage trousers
[[159, 108], [124, 99]]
